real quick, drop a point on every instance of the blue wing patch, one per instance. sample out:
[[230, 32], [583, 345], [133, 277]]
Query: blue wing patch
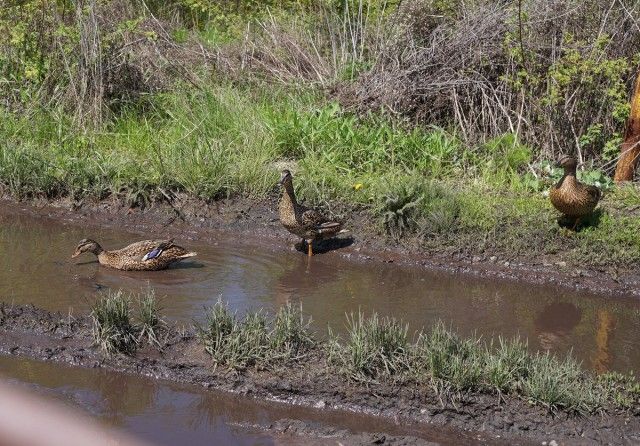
[[155, 253]]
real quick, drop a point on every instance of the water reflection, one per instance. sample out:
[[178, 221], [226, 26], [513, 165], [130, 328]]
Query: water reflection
[[555, 324], [605, 325], [163, 414]]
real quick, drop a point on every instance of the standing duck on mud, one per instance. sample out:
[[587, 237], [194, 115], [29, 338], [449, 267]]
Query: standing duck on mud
[[306, 223], [147, 255], [571, 197]]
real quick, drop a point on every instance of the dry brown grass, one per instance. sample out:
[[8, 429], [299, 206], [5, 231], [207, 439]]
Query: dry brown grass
[[487, 68]]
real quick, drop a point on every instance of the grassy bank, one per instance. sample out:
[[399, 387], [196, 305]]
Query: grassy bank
[[379, 351], [422, 185], [212, 101]]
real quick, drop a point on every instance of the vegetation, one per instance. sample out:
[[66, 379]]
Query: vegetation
[[251, 341], [132, 99], [380, 350], [114, 328]]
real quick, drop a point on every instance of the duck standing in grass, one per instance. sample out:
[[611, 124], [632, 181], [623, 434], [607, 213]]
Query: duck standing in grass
[[147, 255], [571, 197], [306, 223]]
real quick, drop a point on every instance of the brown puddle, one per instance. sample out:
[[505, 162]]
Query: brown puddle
[[35, 267], [170, 414]]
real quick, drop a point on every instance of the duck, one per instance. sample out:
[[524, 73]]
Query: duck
[[308, 224], [571, 197], [146, 255]]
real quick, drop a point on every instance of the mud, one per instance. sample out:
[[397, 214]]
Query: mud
[[35, 333], [301, 429], [256, 221]]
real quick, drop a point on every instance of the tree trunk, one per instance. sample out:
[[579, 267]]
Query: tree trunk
[[630, 150]]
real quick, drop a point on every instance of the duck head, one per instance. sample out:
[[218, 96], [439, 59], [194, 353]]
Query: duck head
[[568, 163], [286, 178], [87, 245]]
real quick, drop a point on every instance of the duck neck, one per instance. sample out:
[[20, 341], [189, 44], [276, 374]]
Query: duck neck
[[100, 253], [569, 177], [289, 194]]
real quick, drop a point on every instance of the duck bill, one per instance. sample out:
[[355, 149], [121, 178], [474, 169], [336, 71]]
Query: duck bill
[[76, 254]]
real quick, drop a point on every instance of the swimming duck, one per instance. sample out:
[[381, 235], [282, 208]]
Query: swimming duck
[[306, 223], [571, 197], [147, 255]]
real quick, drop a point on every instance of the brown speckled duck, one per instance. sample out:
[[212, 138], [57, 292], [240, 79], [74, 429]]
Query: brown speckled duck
[[306, 223], [571, 197], [147, 255]]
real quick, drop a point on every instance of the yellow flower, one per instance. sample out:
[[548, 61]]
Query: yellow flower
[[31, 72], [357, 186]]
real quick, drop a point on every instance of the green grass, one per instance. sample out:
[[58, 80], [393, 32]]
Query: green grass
[[113, 328], [150, 323], [228, 140], [380, 350], [252, 341], [376, 347], [116, 329], [375, 350]]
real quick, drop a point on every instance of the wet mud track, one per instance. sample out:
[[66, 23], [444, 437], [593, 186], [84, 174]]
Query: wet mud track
[[31, 332]]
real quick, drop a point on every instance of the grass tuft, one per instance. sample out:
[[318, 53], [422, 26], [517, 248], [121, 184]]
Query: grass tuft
[[290, 337], [375, 347], [150, 321], [443, 356], [506, 365], [113, 329], [253, 341], [379, 349], [557, 383]]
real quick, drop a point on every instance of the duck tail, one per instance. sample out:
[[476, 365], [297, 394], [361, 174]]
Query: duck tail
[[188, 254], [331, 228]]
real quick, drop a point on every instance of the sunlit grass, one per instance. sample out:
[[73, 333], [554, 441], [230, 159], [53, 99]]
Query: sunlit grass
[[374, 350], [113, 328], [253, 341], [118, 328], [227, 141]]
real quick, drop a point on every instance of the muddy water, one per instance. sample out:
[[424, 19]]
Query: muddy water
[[35, 267], [171, 414]]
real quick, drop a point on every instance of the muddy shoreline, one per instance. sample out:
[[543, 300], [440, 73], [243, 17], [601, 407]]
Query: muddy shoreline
[[63, 338], [255, 222]]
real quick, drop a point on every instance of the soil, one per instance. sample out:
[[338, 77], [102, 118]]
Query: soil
[[296, 428], [39, 334], [256, 221]]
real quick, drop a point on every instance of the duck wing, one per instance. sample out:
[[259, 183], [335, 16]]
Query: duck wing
[[595, 193], [312, 219], [162, 247], [145, 248]]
